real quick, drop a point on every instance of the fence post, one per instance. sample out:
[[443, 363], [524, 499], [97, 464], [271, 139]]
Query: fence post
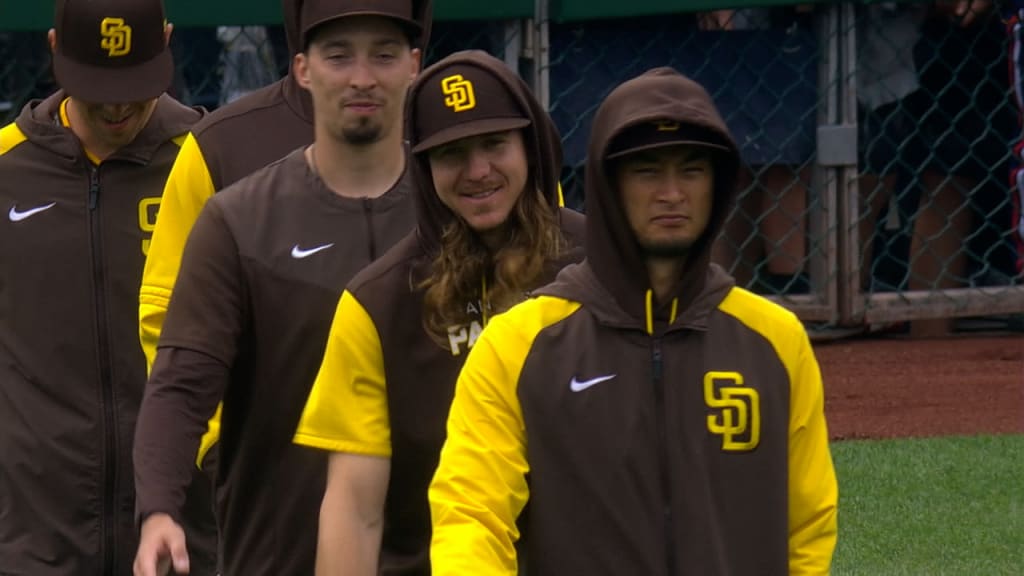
[[822, 212], [541, 53], [513, 43], [851, 300]]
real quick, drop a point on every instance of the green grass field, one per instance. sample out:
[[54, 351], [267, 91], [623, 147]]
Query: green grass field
[[933, 507]]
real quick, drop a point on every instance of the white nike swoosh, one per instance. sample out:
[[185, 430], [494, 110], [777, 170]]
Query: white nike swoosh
[[16, 216], [300, 253], [577, 386]]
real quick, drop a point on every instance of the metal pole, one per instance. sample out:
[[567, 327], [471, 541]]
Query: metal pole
[[542, 53], [821, 217], [851, 298], [513, 43]]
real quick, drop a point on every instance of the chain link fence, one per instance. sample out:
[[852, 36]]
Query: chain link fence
[[931, 210], [877, 138], [217, 64]]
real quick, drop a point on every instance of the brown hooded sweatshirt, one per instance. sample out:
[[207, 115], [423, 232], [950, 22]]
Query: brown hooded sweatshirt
[[684, 439], [74, 237], [385, 385]]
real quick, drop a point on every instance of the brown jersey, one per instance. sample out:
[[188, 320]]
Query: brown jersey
[[260, 278], [74, 235]]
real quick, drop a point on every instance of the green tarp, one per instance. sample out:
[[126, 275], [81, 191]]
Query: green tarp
[[38, 14]]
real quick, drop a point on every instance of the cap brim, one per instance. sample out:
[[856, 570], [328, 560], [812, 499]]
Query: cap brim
[[101, 85], [474, 128], [412, 26], [665, 144]]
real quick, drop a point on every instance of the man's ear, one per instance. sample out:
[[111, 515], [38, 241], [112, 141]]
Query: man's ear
[[51, 39], [168, 29], [417, 59], [300, 67]]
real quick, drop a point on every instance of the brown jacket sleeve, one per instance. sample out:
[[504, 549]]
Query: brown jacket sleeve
[[192, 366]]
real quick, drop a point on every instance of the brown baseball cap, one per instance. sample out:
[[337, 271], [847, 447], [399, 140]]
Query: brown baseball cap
[[661, 133], [317, 12], [460, 101], [112, 51]]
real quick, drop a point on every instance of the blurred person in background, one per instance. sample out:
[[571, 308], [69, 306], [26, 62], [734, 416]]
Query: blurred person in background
[[778, 150]]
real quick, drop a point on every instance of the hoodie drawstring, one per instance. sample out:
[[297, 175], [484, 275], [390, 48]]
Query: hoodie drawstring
[[650, 312], [649, 309]]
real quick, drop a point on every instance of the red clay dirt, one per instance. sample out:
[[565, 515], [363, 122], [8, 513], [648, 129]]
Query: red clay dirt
[[893, 387]]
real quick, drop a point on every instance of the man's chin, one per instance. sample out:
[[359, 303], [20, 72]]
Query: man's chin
[[119, 140], [362, 134], [678, 249]]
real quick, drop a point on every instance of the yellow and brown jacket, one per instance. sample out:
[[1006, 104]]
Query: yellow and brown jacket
[[680, 439], [260, 278], [74, 236], [386, 384]]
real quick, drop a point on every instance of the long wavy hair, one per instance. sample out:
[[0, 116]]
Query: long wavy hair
[[464, 264]]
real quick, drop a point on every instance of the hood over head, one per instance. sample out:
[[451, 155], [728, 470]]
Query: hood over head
[[466, 94], [658, 108]]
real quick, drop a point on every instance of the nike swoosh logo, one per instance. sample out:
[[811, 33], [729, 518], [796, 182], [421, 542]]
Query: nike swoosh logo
[[16, 216], [577, 386], [299, 253]]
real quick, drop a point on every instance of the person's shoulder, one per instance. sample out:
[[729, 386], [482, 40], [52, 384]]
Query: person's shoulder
[[10, 137], [172, 119], [532, 316], [769, 319], [270, 180], [267, 103], [35, 124]]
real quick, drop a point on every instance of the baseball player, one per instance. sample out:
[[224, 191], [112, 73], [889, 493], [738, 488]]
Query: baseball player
[[228, 144], [81, 174], [668, 421], [260, 277], [488, 228]]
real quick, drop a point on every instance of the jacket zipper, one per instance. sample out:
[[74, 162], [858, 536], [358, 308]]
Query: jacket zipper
[[368, 211], [106, 385], [663, 460]]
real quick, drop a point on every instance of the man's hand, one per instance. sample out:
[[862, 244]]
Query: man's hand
[[715, 20], [964, 12], [161, 547]]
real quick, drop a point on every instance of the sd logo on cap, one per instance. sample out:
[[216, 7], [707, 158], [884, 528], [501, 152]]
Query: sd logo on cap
[[459, 92], [459, 101], [111, 51]]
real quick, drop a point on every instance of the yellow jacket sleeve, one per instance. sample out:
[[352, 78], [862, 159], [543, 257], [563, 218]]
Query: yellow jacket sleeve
[[813, 489], [188, 187], [10, 137], [480, 486], [347, 409]]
